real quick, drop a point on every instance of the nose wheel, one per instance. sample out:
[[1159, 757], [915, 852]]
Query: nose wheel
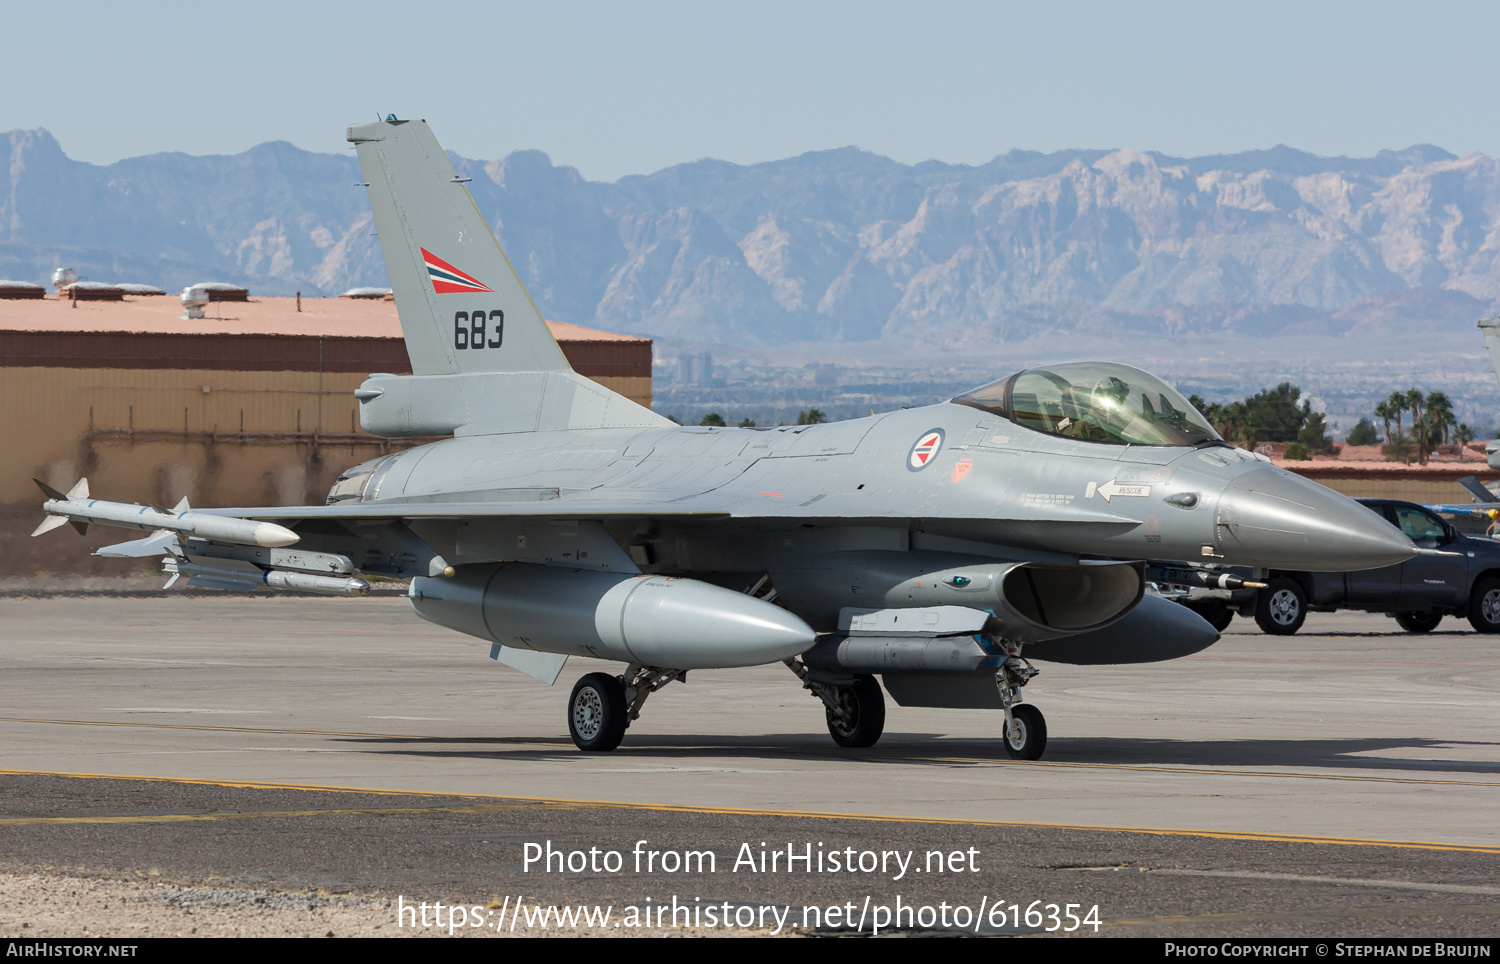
[[1025, 732], [1025, 727]]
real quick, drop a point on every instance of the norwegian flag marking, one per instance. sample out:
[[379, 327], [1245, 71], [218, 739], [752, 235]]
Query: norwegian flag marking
[[925, 450], [447, 279]]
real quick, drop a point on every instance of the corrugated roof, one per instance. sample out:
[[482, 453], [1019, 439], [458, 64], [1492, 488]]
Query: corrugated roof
[[334, 317]]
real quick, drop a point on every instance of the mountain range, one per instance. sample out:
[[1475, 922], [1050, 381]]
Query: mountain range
[[829, 246]]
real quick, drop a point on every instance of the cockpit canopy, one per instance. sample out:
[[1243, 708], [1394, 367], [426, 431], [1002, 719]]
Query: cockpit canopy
[[1095, 402]]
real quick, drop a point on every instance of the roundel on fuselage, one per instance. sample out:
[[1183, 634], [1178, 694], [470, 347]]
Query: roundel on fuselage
[[925, 450]]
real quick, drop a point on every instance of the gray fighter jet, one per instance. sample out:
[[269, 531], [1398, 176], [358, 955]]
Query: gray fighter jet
[[927, 546]]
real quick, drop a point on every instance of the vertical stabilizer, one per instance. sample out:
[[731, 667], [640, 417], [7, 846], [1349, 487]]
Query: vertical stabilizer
[[482, 359], [463, 309]]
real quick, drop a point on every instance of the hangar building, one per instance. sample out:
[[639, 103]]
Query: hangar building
[[251, 405]]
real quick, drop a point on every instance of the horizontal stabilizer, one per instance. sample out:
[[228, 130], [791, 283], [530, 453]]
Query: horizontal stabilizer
[[1477, 489]]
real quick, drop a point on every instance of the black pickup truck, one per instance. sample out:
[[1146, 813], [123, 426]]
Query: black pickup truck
[[1418, 592]]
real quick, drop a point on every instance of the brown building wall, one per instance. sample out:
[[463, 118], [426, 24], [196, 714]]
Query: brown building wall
[[221, 419]]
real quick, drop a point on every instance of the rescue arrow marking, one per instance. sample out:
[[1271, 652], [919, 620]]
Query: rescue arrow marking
[[1108, 490]]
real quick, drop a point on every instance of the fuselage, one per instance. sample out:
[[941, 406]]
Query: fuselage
[[945, 477]]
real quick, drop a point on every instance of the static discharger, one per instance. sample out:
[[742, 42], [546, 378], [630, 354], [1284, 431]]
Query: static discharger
[[76, 507]]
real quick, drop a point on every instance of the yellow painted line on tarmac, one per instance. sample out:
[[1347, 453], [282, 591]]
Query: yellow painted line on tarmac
[[805, 814], [276, 814]]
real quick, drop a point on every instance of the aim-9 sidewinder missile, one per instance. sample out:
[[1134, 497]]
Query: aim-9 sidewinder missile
[[76, 507]]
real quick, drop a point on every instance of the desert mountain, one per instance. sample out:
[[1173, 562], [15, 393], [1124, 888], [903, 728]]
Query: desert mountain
[[837, 245]]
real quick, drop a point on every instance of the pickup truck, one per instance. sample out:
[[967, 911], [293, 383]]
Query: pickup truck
[[1418, 592]]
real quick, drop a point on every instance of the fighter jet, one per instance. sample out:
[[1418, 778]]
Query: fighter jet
[[931, 547]]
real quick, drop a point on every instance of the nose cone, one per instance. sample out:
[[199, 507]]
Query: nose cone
[[1274, 519]]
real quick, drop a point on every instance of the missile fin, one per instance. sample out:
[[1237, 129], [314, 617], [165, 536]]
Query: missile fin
[[50, 492], [82, 527], [182, 506], [48, 524], [80, 489], [157, 543]]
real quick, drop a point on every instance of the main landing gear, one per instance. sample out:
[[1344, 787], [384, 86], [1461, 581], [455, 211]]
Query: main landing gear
[[856, 713], [856, 710], [602, 707]]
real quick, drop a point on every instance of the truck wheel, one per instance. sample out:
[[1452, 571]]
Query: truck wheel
[[1418, 622], [1484, 605], [1281, 607]]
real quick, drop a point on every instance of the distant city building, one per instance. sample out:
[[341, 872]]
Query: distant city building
[[695, 369]]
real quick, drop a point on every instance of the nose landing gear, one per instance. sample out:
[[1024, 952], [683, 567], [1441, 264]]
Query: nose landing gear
[[1025, 727]]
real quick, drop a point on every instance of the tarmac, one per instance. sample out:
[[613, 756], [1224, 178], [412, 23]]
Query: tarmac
[[1344, 781]]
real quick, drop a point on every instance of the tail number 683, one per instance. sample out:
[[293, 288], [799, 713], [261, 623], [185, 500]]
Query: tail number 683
[[477, 330]]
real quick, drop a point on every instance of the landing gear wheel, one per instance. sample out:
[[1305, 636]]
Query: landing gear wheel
[[1484, 605], [1217, 614], [1418, 622], [1281, 607], [864, 708], [596, 713], [1026, 737]]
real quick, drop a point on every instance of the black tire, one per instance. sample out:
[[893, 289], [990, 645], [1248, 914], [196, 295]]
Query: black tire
[[1281, 607], [865, 705], [1214, 612], [1031, 742], [1419, 622], [1484, 605], [596, 713]]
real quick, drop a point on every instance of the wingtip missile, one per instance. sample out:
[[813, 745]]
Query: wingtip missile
[[77, 508]]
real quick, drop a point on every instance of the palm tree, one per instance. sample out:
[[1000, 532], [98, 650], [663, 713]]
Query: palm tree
[[1385, 411], [1416, 404], [1397, 404], [1463, 435], [1440, 414]]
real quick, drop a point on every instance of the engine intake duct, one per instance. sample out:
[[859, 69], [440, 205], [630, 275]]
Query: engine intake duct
[[652, 620], [1031, 601]]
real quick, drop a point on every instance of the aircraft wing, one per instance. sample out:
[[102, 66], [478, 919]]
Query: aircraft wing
[[686, 510]]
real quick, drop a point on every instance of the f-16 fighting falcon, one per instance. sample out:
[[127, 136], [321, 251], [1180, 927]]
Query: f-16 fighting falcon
[[931, 547]]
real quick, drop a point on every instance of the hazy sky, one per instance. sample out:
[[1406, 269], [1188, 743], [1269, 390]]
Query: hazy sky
[[622, 88]]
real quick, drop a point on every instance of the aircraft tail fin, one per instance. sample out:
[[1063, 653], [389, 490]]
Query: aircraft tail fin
[[482, 358], [462, 306]]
